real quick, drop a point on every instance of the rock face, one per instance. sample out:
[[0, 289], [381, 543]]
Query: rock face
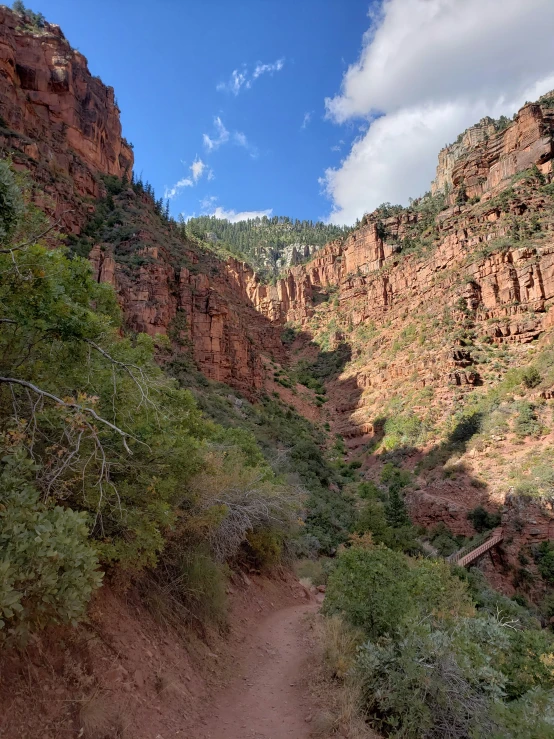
[[485, 158], [199, 301], [58, 120]]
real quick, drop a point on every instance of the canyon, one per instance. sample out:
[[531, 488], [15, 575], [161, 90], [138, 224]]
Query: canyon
[[482, 264]]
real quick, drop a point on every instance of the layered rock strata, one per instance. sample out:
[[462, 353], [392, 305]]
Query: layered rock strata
[[57, 120]]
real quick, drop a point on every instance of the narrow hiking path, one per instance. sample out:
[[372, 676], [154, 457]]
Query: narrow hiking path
[[267, 698]]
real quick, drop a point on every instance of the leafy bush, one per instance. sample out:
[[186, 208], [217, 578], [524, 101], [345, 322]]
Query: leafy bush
[[531, 377], [264, 548], [48, 569], [430, 665], [482, 520], [544, 556], [418, 686], [378, 590], [526, 423]]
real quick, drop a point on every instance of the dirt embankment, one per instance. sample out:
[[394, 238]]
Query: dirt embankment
[[123, 674]]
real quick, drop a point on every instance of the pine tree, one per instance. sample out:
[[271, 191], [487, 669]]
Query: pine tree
[[396, 511]]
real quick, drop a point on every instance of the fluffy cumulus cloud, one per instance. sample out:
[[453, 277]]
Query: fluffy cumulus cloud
[[245, 215], [428, 69], [243, 78]]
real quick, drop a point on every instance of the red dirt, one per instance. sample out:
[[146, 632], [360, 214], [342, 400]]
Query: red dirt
[[123, 674], [267, 698]]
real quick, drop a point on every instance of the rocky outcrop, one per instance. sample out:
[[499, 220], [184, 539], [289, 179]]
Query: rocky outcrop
[[57, 120], [450, 155], [203, 307], [485, 158]]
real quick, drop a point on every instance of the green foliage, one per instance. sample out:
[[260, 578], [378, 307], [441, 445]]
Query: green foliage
[[48, 569], [116, 442], [190, 588], [264, 548], [11, 203], [526, 423], [433, 666], [402, 429], [444, 541], [544, 557], [531, 377], [261, 241], [396, 511], [35, 20], [369, 491], [482, 520], [395, 477], [378, 590]]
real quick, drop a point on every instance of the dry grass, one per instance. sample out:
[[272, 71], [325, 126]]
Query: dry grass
[[333, 685], [100, 719]]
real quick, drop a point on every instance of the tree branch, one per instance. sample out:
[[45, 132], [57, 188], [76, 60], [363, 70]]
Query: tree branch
[[35, 238], [76, 406]]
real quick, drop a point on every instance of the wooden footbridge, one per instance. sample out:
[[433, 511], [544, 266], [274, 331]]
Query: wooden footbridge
[[466, 556]]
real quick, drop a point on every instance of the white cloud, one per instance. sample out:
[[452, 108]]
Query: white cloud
[[208, 203], [427, 70], [221, 137], [245, 215], [306, 120], [197, 168], [243, 79], [268, 68], [224, 136], [171, 192]]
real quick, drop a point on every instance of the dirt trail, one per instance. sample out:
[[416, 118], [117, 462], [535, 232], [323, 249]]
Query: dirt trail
[[268, 699]]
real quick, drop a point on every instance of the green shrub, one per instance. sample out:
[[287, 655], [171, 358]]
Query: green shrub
[[48, 569], [394, 477], [369, 491], [264, 548], [544, 557], [378, 590], [190, 587], [526, 423], [418, 686], [531, 377], [431, 666], [482, 520], [11, 202]]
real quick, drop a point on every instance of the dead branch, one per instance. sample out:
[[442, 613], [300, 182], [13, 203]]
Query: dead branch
[[75, 406]]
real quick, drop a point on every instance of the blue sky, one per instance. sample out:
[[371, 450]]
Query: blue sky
[[214, 93], [166, 60]]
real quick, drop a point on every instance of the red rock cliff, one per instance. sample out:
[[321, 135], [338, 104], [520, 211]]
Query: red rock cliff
[[58, 120]]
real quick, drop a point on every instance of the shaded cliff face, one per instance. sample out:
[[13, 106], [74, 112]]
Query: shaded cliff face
[[58, 120], [169, 286]]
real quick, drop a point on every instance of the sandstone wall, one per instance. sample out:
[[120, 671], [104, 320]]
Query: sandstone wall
[[58, 120]]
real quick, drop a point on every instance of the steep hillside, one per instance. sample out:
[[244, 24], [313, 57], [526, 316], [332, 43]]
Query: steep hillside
[[270, 243], [444, 311], [58, 121]]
